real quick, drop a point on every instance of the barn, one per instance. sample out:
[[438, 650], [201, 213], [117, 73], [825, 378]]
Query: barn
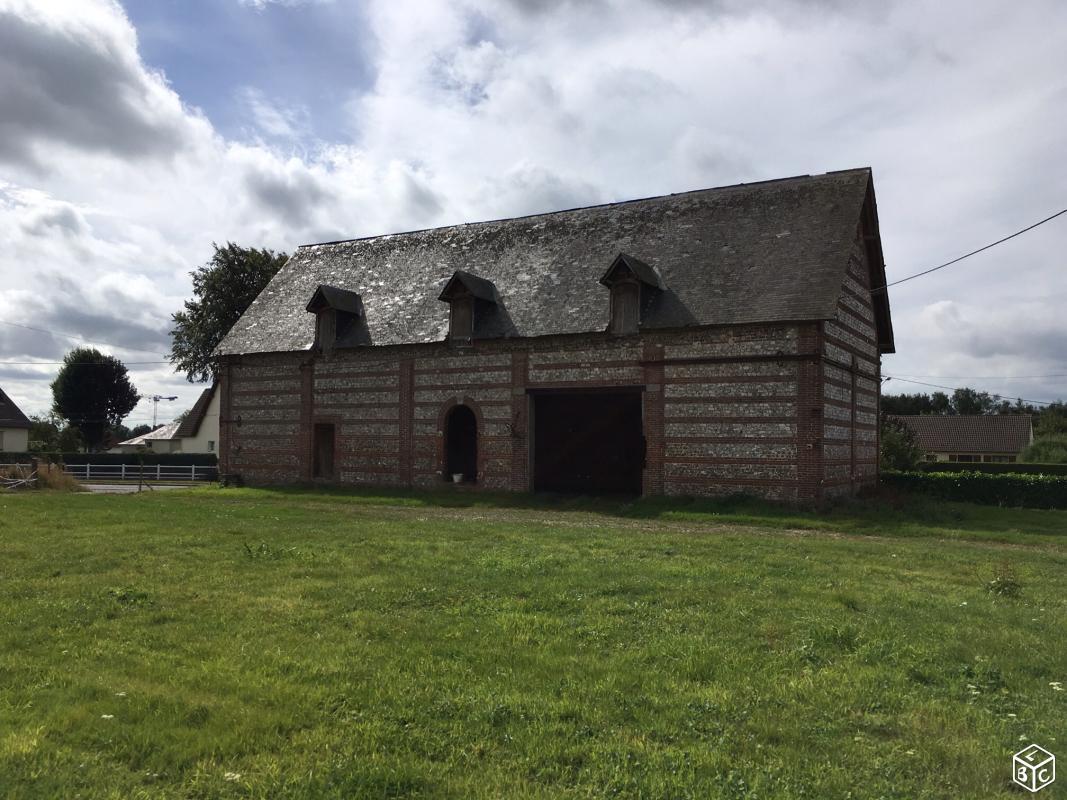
[[714, 342]]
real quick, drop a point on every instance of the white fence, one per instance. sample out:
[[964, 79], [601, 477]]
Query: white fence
[[133, 472]]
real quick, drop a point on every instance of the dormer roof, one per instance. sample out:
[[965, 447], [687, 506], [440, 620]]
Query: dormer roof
[[335, 298], [629, 265], [463, 282]]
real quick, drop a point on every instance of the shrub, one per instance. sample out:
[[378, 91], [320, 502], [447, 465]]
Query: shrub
[[1048, 449], [54, 479], [899, 446], [998, 468], [57, 480], [1006, 489]]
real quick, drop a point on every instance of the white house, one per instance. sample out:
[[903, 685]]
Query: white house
[[14, 427], [197, 433]]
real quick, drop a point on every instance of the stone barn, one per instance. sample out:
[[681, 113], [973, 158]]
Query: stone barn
[[714, 342]]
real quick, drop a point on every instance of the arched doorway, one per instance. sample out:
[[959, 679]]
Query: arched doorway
[[461, 444]]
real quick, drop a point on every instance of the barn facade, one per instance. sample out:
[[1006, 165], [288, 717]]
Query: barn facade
[[714, 342]]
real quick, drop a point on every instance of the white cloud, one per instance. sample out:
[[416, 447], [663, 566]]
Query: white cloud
[[271, 118], [114, 188], [259, 5]]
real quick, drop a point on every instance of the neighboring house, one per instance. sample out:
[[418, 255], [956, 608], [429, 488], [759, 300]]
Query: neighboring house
[[971, 438], [706, 343], [197, 433], [14, 427]]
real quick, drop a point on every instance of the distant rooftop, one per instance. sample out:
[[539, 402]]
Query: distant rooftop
[[981, 433], [10, 414], [169, 431]]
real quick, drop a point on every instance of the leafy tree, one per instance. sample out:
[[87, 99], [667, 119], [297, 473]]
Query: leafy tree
[[1048, 449], [92, 393], [918, 403], [1052, 419], [971, 401], [140, 430], [118, 433], [50, 434], [899, 447], [906, 404], [223, 289]]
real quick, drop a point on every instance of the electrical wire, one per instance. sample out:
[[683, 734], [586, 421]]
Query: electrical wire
[[78, 338], [972, 253], [987, 377], [76, 364]]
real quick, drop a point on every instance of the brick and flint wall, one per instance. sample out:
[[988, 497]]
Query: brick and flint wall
[[770, 410], [851, 384]]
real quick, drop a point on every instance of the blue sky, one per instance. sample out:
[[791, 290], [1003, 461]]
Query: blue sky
[[134, 135], [310, 56]]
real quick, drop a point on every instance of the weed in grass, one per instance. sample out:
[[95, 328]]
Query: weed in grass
[[1004, 581], [130, 598], [267, 552]]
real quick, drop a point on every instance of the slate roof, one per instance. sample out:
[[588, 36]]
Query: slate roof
[[763, 252], [10, 415], [191, 424], [992, 433]]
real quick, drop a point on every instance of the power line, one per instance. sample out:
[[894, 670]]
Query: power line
[[986, 377], [77, 337], [973, 252], [954, 388], [76, 364]]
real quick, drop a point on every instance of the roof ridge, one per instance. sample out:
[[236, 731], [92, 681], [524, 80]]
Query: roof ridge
[[610, 204]]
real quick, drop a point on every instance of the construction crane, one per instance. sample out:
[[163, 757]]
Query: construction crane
[[155, 405]]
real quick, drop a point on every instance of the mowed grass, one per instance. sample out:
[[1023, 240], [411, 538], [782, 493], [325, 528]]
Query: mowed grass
[[249, 643]]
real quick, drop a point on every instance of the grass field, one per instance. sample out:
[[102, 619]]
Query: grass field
[[246, 643]]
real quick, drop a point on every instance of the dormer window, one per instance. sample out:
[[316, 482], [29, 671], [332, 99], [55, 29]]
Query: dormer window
[[631, 283], [339, 318], [625, 307], [461, 319], [471, 300]]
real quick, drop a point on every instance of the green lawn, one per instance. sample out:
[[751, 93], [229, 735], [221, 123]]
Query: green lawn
[[247, 643]]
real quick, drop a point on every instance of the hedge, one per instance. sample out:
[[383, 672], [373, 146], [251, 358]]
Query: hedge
[[166, 459], [960, 466], [1008, 489]]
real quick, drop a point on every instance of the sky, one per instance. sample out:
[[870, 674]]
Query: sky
[[134, 136]]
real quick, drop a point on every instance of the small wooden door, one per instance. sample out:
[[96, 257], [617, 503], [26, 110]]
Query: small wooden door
[[322, 451]]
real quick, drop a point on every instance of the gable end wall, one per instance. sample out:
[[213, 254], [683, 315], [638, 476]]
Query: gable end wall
[[851, 384]]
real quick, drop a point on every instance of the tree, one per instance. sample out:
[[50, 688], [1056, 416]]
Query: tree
[[50, 434], [899, 447], [918, 403], [140, 430], [223, 289], [971, 401], [92, 393], [1048, 449]]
